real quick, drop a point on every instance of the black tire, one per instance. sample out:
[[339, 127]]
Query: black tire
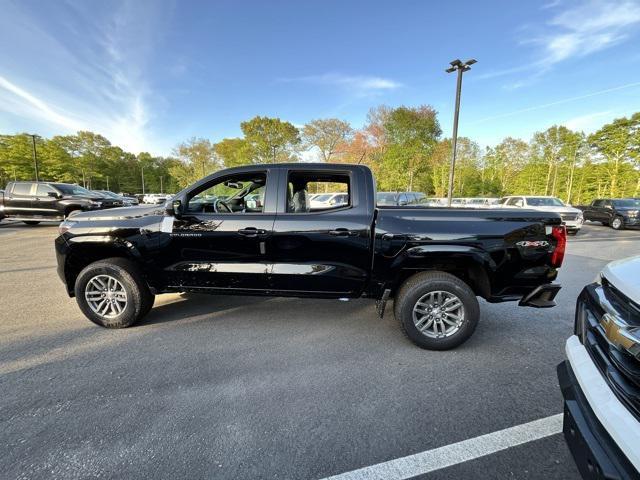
[[572, 232], [139, 298], [415, 287], [617, 223], [30, 222]]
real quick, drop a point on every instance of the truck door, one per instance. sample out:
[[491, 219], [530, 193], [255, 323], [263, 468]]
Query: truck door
[[607, 212], [44, 204], [18, 199], [219, 243], [324, 251], [595, 211]]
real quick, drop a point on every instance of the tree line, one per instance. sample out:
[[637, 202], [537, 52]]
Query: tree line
[[403, 146]]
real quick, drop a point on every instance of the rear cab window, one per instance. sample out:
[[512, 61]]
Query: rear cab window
[[319, 191], [22, 188]]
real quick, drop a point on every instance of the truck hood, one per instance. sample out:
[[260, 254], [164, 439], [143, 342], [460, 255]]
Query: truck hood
[[625, 276], [628, 209], [122, 213]]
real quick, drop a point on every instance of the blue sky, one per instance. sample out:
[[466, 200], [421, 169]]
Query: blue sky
[[149, 74]]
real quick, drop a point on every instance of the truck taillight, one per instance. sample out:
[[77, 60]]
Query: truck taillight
[[559, 233]]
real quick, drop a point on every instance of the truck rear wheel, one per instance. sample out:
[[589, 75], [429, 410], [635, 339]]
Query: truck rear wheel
[[437, 310], [112, 293]]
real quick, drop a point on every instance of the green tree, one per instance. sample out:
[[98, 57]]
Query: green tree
[[411, 135], [271, 139], [234, 152], [614, 146], [326, 135], [197, 158]]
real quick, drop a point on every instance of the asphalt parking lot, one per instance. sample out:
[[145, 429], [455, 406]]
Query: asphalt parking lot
[[246, 388]]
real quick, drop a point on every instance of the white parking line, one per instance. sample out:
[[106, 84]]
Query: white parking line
[[442, 457]]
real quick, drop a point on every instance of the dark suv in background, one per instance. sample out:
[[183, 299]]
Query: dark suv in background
[[35, 202], [618, 213]]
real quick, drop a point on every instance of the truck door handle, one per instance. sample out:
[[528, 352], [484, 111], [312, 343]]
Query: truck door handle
[[343, 232], [251, 231]]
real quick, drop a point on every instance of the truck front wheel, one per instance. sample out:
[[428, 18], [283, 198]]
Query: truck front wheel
[[437, 310], [617, 223], [112, 293]]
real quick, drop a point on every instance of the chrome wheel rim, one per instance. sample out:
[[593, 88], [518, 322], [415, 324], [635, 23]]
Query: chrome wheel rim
[[616, 223], [438, 314], [106, 296]]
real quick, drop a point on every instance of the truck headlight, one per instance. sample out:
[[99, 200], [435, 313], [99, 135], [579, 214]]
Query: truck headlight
[[65, 226]]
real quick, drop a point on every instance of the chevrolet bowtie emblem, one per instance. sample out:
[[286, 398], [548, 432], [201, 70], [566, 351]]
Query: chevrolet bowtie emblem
[[622, 335]]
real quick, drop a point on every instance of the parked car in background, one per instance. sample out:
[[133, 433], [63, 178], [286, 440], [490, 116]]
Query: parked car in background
[[155, 198], [600, 380], [482, 202], [285, 248], [571, 217], [126, 200], [618, 213], [35, 202], [399, 198], [328, 200]]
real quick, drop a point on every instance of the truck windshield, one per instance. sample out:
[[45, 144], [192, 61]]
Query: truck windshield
[[72, 189], [544, 202], [626, 203]]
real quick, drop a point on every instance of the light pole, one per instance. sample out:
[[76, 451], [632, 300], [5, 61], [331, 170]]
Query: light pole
[[35, 155], [461, 68]]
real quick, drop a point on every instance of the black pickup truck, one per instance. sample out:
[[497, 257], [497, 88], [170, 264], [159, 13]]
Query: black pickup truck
[[35, 202], [618, 213], [434, 263]]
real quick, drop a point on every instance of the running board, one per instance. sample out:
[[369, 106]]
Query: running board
[[541, 297]]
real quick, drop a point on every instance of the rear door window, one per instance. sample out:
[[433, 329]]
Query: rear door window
[[22, 188], [332, 191]]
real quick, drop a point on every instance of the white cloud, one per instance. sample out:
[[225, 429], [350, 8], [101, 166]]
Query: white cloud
[[574, 32], [358, 84], [33, 106], [555, 103], [588, 28], [90, 78], [589, 122]]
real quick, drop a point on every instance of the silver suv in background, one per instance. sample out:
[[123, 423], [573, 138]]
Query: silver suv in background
[[571, 217]]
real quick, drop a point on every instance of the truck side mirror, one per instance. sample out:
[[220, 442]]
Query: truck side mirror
[[174, 208], [54, 194]]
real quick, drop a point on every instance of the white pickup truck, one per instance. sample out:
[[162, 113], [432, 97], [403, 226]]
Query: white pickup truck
[[600, 380]]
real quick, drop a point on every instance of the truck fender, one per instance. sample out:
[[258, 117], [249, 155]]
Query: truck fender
[[477, 263], [81, 251], [102, 241]]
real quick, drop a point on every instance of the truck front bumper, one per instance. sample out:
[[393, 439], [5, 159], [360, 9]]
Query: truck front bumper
[[596, 449], [573, 225]]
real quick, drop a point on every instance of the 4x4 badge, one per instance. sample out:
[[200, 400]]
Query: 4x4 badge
[[533, 243]]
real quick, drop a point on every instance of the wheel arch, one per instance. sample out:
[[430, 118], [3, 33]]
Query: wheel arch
[[469, 264], [86, 250]]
